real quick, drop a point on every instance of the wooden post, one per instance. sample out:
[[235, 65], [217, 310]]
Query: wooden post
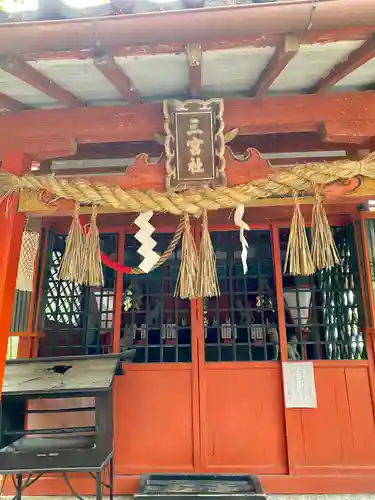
[[288, 415], [12, 225], [118, 295]]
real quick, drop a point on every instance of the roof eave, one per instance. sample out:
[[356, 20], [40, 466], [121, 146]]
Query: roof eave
[[187, 26]]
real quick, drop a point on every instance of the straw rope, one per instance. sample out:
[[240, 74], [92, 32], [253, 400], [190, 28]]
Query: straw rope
[[285, 181]]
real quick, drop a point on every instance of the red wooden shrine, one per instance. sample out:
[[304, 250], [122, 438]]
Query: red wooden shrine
[[83, 99]]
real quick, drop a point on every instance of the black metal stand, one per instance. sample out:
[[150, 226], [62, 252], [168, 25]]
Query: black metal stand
[[99, 490], [19, 487], [111, 478], [98, 476]]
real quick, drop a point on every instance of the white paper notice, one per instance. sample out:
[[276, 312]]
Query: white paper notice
[[299, 385]]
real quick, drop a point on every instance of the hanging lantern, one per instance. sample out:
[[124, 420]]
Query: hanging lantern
[[298, 302]]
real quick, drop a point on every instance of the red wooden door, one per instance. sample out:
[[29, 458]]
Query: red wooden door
[[241, 404], [156, 403], [221, 409]]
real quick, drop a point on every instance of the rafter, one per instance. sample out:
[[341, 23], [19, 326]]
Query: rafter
[[116, 76], [356, 59], [194, 54], [21, 69], [10, 104], [283, 54]]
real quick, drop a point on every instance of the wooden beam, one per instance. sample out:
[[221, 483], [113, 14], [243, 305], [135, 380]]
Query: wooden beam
[[22, 70], [116, 76], [356, 59], [283, 54], [30, 129], [356, 132], [184, 26], [306, 38], [194, 54], [145, 175], [10, 104]]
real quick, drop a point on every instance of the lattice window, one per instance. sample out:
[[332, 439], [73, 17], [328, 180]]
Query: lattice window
[[153, 321], [241, 324], [370, 234], [324, 311], [63, 298], [77, 319]]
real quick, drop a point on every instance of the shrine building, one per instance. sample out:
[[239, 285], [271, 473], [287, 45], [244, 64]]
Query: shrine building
[[187, 252]]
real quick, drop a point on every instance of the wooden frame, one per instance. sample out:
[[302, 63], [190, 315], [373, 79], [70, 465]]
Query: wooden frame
[[291, 479]]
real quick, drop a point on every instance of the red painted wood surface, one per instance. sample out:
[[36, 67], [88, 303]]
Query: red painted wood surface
[[187, 26], [39, 131], [12, 224], [242, 418], [230, 417], [272, 483], [340, 433], [153, 427]]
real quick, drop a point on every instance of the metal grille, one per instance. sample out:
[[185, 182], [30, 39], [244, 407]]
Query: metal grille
[[241, 324], [21, 308], [153, 321], [20, 320], [324, 311], [77, 319]]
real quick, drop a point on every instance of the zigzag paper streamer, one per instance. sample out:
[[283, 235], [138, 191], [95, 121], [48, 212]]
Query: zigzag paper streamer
[[150, 257], [238, 214]]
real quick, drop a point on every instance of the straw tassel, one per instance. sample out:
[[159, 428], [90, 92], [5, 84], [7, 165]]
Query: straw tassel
[[298, 256], [187, 277], [72, 261], [92, 269], [323, 250], [207, 282]]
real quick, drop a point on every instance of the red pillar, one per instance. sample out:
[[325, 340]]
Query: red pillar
[[11, 229]]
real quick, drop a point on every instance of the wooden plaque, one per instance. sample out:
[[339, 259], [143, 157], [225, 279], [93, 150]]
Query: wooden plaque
[[194, 143]]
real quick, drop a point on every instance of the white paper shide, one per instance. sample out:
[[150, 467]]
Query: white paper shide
[[238, 215], [150, 257]]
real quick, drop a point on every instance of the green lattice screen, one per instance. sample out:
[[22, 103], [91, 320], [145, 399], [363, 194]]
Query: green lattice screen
[[324, 312], [74, 318], [241, 324], [155, 323]]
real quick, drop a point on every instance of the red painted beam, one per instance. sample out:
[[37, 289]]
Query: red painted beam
[[335, 35], [139, 123], [360, 132], [22, 70], [10, 104], [189, 26], [116, 76], [283, 54], [356, 59], [194, 54]]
